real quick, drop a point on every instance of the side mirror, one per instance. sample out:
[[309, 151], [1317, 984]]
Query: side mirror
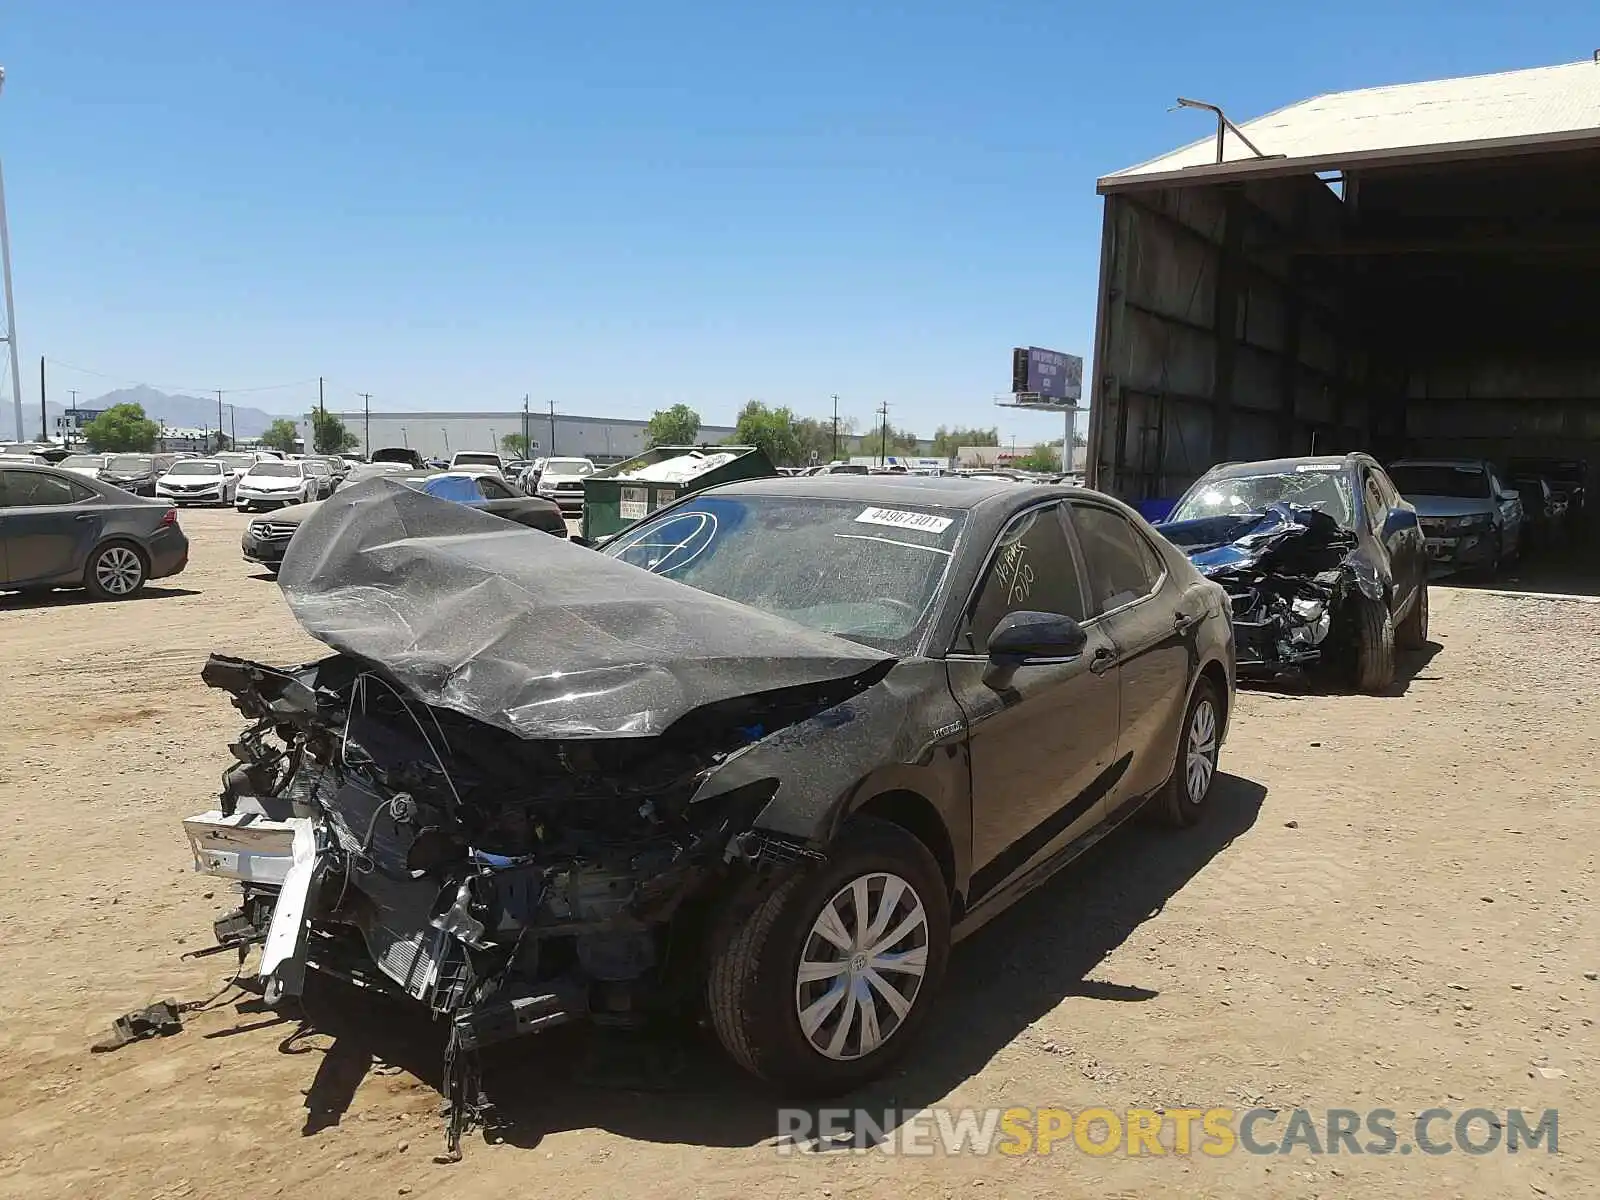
[[1509, 494], [1025, 637]]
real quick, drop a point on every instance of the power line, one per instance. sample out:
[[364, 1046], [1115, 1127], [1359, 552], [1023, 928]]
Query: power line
[[174, 387]]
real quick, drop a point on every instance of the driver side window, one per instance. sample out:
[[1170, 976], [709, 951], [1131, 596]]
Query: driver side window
[[1031, 569], [1373, 501]]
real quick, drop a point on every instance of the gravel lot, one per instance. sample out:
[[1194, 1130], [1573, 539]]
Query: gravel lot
[[1393, 906]]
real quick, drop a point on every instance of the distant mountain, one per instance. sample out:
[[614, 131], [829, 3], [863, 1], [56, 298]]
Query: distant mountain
[[184, 412]]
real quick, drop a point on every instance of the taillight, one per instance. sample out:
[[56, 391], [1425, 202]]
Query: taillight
[[170, 517]]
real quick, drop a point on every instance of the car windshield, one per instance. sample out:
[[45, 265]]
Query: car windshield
[[839, 566], [569, 466], [1321, 488], [474, 459], [128, 464], [196, 468], [83, 460], [275, 470], [1461, 483], [318, 468]]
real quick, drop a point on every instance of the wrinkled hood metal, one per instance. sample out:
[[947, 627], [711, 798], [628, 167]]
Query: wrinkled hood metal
[[1451, 506], [1244, 540], [531, 633]]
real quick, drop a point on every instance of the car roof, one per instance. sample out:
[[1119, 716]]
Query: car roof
[[1283, 466], [888, 490]]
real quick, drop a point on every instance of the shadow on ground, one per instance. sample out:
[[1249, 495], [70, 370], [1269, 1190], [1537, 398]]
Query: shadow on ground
[[675, 1086], [63, 598], [1409, 666], [1570, 568]]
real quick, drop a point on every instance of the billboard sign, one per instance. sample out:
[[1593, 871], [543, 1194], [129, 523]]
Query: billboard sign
[[1048, 374]]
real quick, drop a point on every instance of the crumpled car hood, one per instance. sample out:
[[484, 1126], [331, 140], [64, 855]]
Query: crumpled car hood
[[534, 634], [1252, 539]]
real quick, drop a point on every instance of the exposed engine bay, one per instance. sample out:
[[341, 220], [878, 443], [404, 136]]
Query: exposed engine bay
[[507, 884], [1289, 574]]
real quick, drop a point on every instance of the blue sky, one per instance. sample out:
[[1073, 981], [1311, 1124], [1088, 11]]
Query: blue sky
[[625, 205]]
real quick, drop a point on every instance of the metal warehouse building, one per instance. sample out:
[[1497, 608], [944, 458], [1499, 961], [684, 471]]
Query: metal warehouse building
[[1408, 269], [441, 434]]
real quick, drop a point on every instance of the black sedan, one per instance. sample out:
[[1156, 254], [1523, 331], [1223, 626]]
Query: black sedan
[[58, 529], [1323, 560], [136, 473], [265, 539], [775, 747]]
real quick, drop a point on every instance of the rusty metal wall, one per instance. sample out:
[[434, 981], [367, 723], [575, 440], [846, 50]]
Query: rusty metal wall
[[1211, 344]]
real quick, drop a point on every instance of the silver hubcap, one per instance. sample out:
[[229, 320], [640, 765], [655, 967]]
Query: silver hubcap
[[1201, 759], [861, 966], [118, 571]]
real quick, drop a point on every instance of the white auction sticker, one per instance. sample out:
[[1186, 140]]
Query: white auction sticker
[[898, 519], [634, 503]]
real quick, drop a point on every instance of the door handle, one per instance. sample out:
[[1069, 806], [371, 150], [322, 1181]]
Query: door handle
[[1182, 620], [85, 517], [1102, 660]]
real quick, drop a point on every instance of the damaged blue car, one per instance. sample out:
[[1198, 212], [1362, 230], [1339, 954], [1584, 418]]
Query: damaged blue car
[[1323, 561]]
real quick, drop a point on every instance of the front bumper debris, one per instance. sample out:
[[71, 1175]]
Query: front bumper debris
[[1289, 574], [507, 886]]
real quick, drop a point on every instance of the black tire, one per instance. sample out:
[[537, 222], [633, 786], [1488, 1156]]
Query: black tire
[[1413, 631], [1374, 630], [116, 571], [752, 988], [1185, 797]]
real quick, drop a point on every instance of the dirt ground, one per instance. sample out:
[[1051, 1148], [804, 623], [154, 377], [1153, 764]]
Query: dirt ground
[[1392, 906]]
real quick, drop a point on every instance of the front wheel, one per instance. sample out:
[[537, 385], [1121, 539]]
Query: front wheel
[[1374, 638], [827, 981]]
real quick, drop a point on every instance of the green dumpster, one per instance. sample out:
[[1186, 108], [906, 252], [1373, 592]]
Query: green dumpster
[[621, 494]]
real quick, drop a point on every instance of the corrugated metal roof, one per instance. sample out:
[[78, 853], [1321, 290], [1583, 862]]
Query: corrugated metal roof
[[1438, 119]]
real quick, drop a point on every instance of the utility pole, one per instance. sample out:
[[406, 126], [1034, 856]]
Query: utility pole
[[552, 427], [11, 305], [233, 428], [527, 446], [73, 427], [219, 419], [835, 427], [883, 444], [44, 416], [366, 417]]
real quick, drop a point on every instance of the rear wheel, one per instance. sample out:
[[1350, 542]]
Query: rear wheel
[[1374, 645], [827, 981], [115, 571], [1182, 802], [1413, 631]]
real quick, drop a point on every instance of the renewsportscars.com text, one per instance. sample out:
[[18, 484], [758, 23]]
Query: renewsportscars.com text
[[1136, 1132]]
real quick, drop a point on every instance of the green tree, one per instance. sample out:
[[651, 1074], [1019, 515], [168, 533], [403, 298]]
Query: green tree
[[281, 435], [771, 429], [675, 426], [122, 427], [514, 445], [328, 434], [947, 441], [1044, 458]]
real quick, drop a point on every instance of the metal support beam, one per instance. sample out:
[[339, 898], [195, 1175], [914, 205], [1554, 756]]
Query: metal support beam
[[1225, 308]]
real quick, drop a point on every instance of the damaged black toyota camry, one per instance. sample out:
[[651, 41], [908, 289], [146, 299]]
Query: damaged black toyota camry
[[763, 758], [1324, 563]]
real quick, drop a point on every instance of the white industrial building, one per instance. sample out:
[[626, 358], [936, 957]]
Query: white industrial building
[[441, 434]]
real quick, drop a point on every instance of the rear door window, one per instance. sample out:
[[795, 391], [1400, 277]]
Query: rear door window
[[1120, 569], [1031, 570]]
